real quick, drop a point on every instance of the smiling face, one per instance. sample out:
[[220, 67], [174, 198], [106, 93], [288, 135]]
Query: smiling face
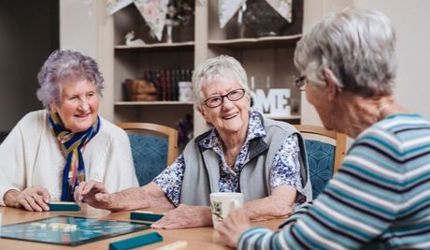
[[79, 104], [230, 117]]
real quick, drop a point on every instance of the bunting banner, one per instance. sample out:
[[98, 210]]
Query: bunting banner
[[227, 9], [154, 12], [283, 7], [115, 5]]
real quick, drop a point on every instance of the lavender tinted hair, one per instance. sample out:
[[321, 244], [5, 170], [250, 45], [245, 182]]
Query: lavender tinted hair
[[62, 67]]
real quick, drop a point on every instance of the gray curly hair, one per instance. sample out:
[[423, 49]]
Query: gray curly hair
[[215, 67], [358, 46], [61, 67]]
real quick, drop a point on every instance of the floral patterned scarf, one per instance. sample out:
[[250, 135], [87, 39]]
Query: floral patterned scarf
[[72, 144]]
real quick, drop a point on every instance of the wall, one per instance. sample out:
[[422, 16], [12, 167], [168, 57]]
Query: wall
[[86, 27], [26, 38], [410, 19]]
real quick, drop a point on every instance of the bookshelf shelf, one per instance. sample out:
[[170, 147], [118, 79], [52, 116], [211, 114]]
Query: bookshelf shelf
[[255, 43], [179, 45], [278, 117], [152, 103]]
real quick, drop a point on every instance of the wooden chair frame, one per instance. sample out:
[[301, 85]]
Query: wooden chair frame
[[339, 138], [170, 133]]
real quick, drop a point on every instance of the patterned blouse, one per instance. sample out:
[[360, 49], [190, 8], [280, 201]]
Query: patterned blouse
[[285, 167]]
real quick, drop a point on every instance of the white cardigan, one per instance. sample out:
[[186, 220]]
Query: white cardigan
[[31, 155]]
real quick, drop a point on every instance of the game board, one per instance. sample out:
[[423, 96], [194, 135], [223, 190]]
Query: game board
[[68, 230]]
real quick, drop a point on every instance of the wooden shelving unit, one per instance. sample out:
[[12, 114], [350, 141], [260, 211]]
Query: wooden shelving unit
[[179, 45], [133, 62], [263, 58]]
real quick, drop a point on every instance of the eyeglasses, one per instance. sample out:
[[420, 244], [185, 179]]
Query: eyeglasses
[[216, 101], [300, 81]]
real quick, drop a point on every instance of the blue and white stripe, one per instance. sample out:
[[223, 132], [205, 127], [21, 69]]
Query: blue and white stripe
[[380, 197]]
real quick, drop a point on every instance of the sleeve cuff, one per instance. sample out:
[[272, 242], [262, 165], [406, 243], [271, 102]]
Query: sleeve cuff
[[250, 233]]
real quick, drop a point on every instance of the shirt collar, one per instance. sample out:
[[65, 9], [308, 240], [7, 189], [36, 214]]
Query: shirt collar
[[255, 130]]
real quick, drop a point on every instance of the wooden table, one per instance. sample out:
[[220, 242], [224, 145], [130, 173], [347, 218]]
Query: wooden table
[[198, 238]]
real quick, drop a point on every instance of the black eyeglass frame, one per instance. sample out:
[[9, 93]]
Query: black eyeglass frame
[[228, 96]]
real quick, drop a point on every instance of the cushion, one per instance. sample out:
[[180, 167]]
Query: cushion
[[149, 156], [321, 161]]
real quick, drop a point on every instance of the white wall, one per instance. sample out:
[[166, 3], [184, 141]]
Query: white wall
[[411, 20], [26, 39], [78, 26], [86, 27]]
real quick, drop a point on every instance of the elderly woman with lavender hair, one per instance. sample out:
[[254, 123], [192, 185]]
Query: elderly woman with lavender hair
[[49, 152]]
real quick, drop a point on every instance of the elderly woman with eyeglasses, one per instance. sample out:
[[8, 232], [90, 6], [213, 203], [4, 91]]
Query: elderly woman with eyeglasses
[[49, 152], [380, 198], [243, 152]]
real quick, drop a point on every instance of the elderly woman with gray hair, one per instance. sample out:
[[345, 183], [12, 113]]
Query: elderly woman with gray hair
[[49, 152], [243, 152], [380, 199]]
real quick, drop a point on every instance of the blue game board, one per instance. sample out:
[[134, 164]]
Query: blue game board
[[86, 230]]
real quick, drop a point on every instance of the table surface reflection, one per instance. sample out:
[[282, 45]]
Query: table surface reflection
[[198, 238]]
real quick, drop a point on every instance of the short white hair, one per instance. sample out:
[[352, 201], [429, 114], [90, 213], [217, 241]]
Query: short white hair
[[216, 67], [358, 46]]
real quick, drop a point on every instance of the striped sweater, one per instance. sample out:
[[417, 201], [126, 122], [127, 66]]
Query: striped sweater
[[379, 199]]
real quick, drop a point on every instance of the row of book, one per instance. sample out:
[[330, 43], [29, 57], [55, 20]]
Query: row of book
[[156, 85]]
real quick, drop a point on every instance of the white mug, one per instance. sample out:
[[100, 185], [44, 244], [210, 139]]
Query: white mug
[[222, 204]]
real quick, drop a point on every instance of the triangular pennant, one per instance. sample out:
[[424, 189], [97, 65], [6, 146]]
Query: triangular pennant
[[154, 13], [113, 6], [283, 7], [226, 10], [202, 2]]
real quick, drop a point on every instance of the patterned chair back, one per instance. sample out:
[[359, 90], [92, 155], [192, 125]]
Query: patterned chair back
[[325, 151], [153, 147]]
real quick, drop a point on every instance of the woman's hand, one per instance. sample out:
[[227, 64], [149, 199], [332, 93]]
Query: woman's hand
[[185, 216], [94, 194], [233, 226], [35, 199]]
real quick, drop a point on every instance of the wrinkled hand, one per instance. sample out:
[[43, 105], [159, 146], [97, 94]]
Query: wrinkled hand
[[94, 194], [185, 216], [33, 199], [233, 226]]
